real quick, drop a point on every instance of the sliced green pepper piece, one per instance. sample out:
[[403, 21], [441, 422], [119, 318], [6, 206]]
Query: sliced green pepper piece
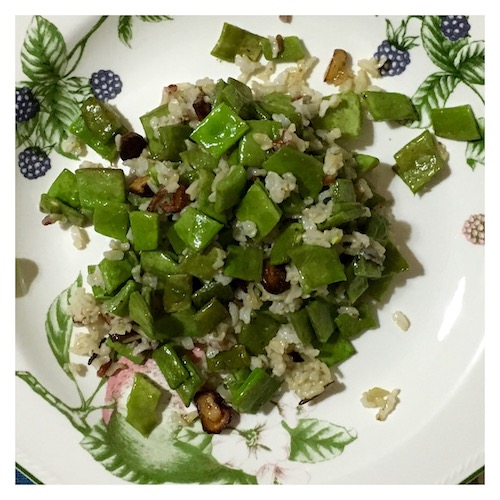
[[142, 405], [351, 326], [209, 316], [196, 229], [170, 365], [257, 207], [219, 130], [112, 220], [116, 272], [250, 152], [103, 122], [107, 150], [457, 123], [234, 358], [317, 266], [178, 324], [307, 169], [159, 262], [365, 163], [201, 265], [145, 227], [126, 351], [50, 205], [210, 290], [199, 159], [336, 350], [118, 304], [257, 334], [165, 142], [321, 317], [292, 50], [99, 186], [419, 161], [177, 292], [258, 388], [235, 41], [192, 384], [389, 106], [277, 103], [346, 116], [140, 313], [229, 190], [289, 238], [65, 189], [302, 326], [244, 263]]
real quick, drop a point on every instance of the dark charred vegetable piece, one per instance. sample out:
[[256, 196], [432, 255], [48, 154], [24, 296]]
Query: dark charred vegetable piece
[[338, 69], [274, 278], [201, 107], [131, 145], [214, 414]]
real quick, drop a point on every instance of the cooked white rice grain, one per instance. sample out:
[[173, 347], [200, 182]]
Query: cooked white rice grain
[[80, 237], [401, 320]]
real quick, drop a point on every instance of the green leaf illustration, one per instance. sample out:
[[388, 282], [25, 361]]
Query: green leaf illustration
[[59, 109], [125, 29], [59, 326], [469, 62], [43, 55], [79, 87], [432, 93], [24, 130], [440, 50], [200, 440], [314, 440], [155, 19], [474, 151], [161, 458]]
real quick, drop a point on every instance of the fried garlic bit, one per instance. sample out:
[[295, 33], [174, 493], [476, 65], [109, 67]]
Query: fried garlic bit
[[214, 414], [338, 69]]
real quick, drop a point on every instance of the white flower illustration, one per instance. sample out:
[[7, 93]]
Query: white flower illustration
[[258, 441]]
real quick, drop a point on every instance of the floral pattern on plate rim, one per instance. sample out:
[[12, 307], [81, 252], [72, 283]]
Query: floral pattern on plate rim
[[43, 114]]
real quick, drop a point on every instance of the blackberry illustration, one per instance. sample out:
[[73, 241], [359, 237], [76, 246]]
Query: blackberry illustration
[[455, 27], [33, 163], [396, 60], [27, 105], [105, 84], [393, 53]]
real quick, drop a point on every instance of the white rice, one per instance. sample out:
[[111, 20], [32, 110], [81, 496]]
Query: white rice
[[280, 187], [401, 320], [383, 399], [80, 237]]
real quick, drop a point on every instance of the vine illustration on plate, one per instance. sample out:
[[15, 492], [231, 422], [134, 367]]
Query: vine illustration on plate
[[49, 100], [460, 61]]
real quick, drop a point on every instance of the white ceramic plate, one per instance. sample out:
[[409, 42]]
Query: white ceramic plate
[[436, 434]]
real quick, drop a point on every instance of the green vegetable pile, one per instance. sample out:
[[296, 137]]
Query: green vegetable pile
[[180, 241]]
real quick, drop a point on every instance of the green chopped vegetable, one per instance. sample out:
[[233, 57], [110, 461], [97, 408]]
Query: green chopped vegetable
[[142, 405], [457, 123], [237, 232], [389, 106], [419, 161]]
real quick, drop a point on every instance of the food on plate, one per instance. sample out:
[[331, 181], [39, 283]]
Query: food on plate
[[248, 247], [383, 399]]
